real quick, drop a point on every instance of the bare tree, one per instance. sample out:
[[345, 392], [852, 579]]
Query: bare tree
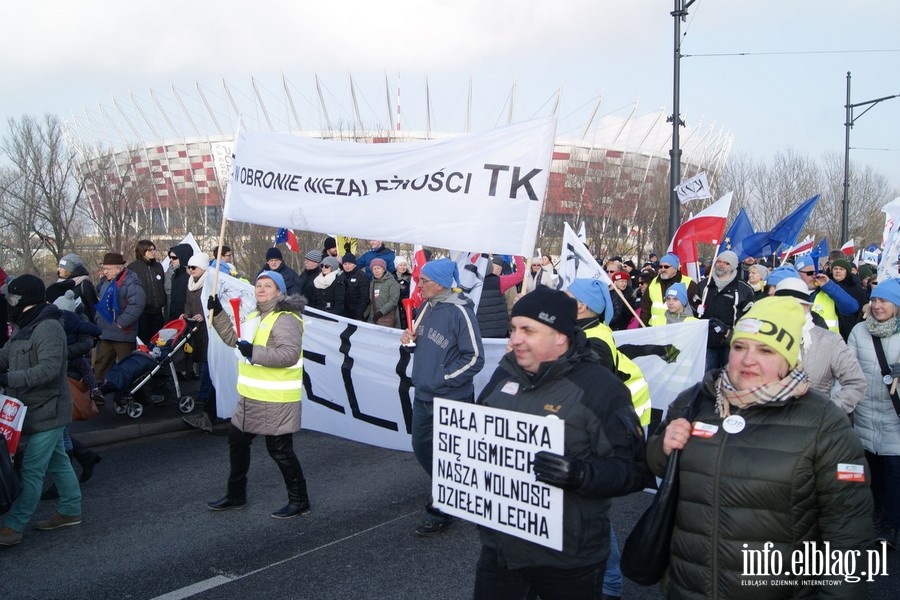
[[41, 190]]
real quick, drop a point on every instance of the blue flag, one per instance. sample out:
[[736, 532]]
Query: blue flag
[[784, 233], [820, 250], [739, 230], [108, 305]]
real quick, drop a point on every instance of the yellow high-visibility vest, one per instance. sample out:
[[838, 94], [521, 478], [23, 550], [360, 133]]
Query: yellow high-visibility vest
[[657, 302], [823, 305], [270, 384], [636, 384]]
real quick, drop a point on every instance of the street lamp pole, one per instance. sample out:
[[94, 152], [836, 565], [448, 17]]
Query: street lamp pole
[[849, 120], [679, 13]]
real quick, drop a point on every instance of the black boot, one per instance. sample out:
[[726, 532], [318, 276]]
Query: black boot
[[87, 458], [239, 459], [281, 449]]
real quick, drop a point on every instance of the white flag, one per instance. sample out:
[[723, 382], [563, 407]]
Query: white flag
[[695, 188], [887, 268], [576, 262]]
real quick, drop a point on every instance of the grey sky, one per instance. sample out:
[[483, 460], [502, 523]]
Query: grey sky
[[61, 56]]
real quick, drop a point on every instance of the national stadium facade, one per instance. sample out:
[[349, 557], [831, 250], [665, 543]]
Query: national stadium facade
[[176, 147]]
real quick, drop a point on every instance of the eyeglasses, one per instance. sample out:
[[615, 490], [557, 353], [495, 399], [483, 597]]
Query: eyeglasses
[[173, 257], [191, 268], [807, 273], [226, 255], [151, 250], [424, 280], [326, 267], [665, 266]]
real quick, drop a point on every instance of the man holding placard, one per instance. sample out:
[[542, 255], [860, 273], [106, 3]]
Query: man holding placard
[[552, 371]]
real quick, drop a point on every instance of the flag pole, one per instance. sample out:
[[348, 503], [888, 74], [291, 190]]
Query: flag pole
[[628, 305]]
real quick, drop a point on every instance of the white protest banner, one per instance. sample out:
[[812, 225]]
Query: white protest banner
[[452, 189], [482, 470], [695, 188], [576, 261], [888, 265], [356, 382]]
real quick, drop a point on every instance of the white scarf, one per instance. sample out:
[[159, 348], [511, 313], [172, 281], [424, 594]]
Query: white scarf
[[193, 285], [323, 281]]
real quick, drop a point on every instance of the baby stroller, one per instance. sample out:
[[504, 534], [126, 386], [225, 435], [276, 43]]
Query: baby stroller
[[148, 375]]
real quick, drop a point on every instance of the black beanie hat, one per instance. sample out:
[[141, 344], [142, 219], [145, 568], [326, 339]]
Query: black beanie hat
[[30, 288], [552, 308], [330, 242], [274, 252], [349, 258]]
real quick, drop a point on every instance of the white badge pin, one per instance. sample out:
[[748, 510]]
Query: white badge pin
[[734, 424]]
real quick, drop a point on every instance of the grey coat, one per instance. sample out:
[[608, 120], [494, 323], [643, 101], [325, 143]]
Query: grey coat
[[829, 359], [35, 360], [131, 304], [282, 349], [875, 419]]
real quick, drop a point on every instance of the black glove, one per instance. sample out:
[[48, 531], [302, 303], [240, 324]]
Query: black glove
[[717, 327], [4, 380], [895, 370], [214, 305], [245, 348], [560, 471], [377, 315], [671, 353]]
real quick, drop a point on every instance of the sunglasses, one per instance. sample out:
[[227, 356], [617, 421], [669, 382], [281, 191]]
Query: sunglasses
[[173, 257], [665, 266], [807, 273], [192, 268], [325, 267]]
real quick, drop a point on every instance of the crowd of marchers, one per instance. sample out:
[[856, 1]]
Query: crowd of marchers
[[806, 347]]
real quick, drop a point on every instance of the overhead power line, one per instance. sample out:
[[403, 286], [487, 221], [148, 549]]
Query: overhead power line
[[787, 52]]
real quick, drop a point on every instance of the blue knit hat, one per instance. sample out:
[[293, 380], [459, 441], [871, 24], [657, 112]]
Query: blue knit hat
[[678, 291], [442, 271], [782, 272], [670, 259], [801, 262], [594, 294], [276, 277], [889, 290]]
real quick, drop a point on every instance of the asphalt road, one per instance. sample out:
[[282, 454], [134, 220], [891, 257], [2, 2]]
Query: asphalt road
[[147, 534]]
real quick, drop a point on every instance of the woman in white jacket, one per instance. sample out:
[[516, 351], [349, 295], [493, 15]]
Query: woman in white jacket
[[876, 419]]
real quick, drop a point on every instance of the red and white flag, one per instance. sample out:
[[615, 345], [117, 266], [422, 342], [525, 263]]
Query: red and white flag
[[803, 247], [418, 261], [849, 248], [707, 226]]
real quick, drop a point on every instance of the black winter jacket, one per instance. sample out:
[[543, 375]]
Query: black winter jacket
[[179, 280], [153, 279], [777, 480], [356, 294], [493, 320], [602, 430], [726, 305]]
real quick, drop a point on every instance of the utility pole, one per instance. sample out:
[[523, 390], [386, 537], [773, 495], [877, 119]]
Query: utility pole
[[849, 120], [680, 13]]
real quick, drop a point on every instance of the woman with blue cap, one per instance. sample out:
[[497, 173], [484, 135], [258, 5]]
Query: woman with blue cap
[[270, 383], [876, 343]]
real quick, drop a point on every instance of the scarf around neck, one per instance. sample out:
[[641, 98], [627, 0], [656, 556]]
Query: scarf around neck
[[882, 329], [323, 281], [194, 285], [793, 385]]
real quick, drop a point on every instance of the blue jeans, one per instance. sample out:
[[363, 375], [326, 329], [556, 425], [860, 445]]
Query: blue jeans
[[612, 579], [45, 454], [494, 582]]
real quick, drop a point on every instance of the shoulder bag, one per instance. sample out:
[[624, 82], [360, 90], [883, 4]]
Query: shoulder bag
[[83, 408], [647, 549]]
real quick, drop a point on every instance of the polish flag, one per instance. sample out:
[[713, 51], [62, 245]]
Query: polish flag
[[849, 248], [418, 261], [707, 226], [803, 247]]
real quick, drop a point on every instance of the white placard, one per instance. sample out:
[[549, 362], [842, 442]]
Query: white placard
[[482, 470]]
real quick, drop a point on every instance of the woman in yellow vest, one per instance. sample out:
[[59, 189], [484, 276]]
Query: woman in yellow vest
[[270, 382]]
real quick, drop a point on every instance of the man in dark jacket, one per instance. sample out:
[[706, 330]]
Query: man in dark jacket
[[153, 278], [493, 318], [179, 255], [356, 294], [275, 262], [33, 369], [448, 355], [71, 269], [552, 371], [722, 298], [378, 250]]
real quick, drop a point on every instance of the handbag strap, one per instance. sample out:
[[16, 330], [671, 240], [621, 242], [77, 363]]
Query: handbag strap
[[885, 371], [690, 412]]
